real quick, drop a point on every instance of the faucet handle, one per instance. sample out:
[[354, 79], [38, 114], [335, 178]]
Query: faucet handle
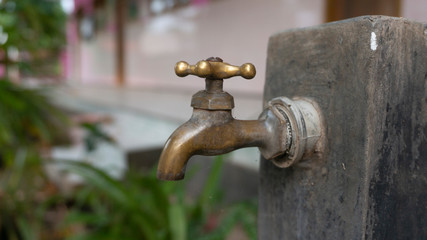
[[214, 69]]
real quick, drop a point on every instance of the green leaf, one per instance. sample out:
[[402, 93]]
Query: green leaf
[[100, 179], [177, 221], [89, 218], [210, 188]]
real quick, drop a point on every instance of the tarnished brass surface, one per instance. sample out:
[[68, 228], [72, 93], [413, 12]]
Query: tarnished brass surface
[[213, 133], [212, 101], [283, 133], [214, 68]]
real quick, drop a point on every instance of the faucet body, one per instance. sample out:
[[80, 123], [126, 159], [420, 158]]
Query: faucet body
[[284, 132], [207, 133], [216, 132]]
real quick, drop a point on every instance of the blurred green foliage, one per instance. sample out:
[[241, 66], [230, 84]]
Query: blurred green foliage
[[137, 207], [33, 25], [25, 198], [29, 125], [142, 207], [94, 136], [35, 28], [28, 121]]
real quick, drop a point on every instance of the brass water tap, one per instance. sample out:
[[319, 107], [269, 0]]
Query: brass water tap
[[285, 131]]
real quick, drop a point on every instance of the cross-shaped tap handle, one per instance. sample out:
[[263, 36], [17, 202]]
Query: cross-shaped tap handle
[[214, 69]]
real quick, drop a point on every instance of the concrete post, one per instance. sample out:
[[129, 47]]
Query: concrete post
[[369, 76]]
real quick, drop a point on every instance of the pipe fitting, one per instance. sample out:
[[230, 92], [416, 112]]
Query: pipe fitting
[[299, 129]]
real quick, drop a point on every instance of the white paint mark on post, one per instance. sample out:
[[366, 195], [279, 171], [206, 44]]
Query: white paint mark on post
[[373, 41], [425, 33]]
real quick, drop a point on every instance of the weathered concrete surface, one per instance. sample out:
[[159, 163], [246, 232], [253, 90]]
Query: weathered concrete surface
[[369, 76]]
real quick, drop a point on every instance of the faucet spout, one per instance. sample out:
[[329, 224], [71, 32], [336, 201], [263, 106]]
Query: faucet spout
[[208, 133]]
